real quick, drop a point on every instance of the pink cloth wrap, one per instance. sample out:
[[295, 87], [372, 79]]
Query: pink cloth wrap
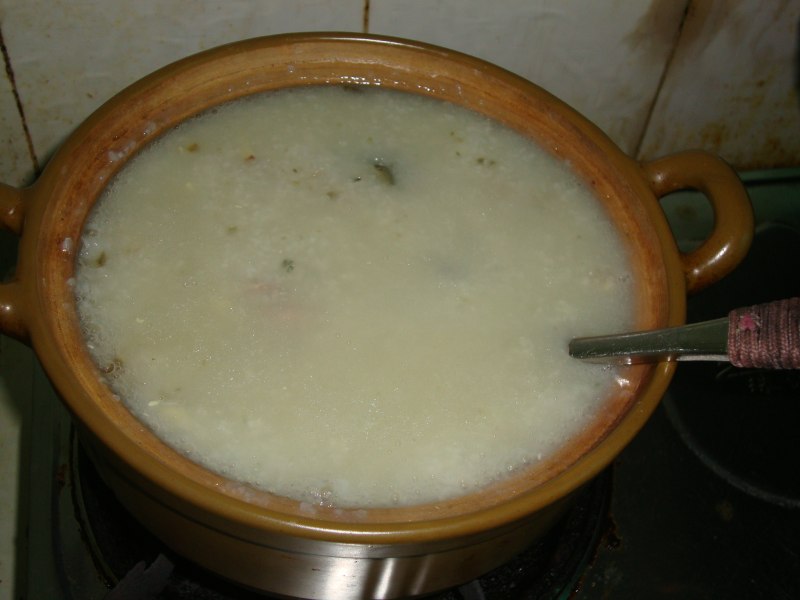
[[766, 335]]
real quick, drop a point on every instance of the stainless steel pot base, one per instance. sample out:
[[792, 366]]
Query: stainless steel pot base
[[136, 566]]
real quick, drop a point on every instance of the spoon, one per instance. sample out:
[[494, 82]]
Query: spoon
[[760, 336]]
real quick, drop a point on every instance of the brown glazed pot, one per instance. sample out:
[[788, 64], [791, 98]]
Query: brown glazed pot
[[273, 543]]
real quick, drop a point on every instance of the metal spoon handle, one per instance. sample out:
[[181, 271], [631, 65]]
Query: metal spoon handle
[[761, 336]]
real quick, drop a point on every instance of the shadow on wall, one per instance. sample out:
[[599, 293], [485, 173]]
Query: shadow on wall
[[797, 64]]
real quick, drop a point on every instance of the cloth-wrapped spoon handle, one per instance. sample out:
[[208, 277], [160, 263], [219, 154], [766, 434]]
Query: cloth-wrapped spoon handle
[[765, 336], [761, 336]]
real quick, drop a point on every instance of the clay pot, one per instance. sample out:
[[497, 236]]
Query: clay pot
[[273, 543]]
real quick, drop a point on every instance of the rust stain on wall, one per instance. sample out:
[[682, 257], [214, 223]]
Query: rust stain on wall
[[656, 31], [732, 85]]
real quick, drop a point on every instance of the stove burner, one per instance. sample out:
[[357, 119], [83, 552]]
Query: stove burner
[[742, 423], [137, 566]]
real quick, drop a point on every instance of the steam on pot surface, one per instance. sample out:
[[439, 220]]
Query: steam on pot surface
[[352, 297]]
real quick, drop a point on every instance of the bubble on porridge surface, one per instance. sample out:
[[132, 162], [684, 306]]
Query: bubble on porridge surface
[[122, 152]]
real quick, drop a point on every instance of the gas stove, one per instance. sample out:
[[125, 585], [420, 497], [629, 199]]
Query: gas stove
[[704, 503]]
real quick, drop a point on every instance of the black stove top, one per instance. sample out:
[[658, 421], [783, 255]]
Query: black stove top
[[704, 503], [707, 497]]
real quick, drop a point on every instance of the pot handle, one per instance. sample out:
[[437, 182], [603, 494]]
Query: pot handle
[[732, 233], [12, 215]]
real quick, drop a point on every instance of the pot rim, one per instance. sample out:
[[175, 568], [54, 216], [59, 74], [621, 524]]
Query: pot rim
[[48, 332]]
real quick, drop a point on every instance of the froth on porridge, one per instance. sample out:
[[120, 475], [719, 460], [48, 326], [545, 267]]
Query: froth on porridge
[[352, 298]]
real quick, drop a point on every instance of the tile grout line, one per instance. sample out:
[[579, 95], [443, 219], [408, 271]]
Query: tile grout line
[[365, 18], [661, 80], [18, 101]]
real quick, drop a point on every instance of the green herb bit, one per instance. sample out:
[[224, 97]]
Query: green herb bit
[[384, 171], [193, 147], [287, 265], [101, 259], [231, 229]]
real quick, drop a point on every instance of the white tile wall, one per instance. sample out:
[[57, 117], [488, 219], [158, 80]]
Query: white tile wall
[[604, 58], [732, 85], [69, 57], [656, 75], [728, 66]]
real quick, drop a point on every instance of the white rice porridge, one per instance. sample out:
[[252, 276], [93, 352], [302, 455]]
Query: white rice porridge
[[352, 298]]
